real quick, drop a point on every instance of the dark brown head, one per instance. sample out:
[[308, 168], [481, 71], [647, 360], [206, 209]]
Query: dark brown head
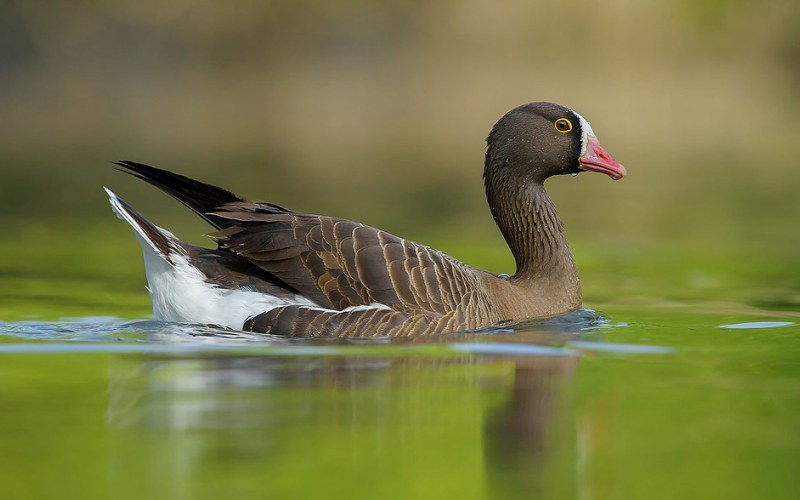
[[540, 139]]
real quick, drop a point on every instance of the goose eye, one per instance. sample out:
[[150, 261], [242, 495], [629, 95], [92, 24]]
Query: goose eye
[[563, 125]]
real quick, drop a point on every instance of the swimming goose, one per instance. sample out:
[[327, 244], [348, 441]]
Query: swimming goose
[[283, 272]]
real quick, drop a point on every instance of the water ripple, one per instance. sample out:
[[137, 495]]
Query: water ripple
[[105, 334], [756, 325], [620, 348], [511, 349]]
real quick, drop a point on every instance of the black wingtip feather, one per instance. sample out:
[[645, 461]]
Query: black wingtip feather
[[198, 196]]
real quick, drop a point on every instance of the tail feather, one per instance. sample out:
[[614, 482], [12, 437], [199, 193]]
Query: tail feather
[[159, 240], [200, 197]]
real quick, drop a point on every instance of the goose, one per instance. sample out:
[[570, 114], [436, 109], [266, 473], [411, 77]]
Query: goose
[[278, 271]]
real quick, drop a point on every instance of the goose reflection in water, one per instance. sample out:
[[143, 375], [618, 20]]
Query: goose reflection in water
[[490, 422]]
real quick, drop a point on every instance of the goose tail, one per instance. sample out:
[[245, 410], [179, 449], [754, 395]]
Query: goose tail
[[198, 196], [153, 238]]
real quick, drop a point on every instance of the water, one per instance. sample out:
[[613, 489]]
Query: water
[[682, 404], [680, 380]]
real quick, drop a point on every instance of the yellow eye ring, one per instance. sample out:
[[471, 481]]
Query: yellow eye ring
[[563, 125]]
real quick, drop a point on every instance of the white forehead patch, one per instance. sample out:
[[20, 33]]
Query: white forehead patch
[[586, 131]]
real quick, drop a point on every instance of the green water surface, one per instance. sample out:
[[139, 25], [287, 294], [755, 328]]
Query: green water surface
[[683, 385]]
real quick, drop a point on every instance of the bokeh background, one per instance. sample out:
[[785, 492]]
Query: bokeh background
[[378, 110]]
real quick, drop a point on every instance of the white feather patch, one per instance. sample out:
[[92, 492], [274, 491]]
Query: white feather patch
[[181, 293], [586, 132]]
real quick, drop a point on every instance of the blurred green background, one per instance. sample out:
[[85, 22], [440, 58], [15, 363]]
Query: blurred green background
[[377, 111]]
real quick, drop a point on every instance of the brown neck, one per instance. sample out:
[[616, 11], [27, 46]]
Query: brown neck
[[530, 224]]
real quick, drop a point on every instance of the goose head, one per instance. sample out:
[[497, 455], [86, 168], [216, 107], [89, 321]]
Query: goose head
[[541, 139]]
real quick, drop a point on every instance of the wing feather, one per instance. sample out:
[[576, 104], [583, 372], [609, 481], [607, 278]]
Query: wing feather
[[340, 264]]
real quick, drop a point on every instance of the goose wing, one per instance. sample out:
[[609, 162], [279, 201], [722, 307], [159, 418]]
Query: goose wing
[[341, 264]]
